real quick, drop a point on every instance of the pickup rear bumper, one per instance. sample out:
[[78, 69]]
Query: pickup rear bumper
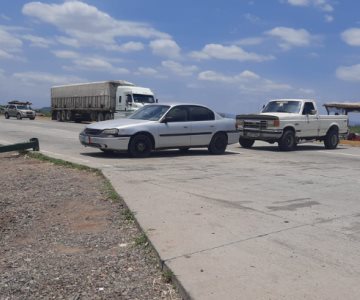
[[263, 134]]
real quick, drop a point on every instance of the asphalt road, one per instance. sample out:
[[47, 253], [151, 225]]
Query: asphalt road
[[251, 224]]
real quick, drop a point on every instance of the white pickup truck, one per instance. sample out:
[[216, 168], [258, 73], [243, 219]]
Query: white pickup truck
[[290, 122]]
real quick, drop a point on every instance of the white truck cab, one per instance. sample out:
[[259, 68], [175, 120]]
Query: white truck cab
[[131, 98], [289, 122]]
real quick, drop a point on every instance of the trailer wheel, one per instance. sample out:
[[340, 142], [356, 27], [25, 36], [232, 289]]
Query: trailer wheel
[[140, 146], [100, 117], [59, 116], [218, 143], [331, 139], [246, 143], [287, 142], [107, 116], [68, 115]]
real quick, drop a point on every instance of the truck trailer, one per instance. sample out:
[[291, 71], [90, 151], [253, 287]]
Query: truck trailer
[[97, 101]]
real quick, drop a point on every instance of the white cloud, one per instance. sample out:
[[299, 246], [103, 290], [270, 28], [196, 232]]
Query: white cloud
[[290, 37], [10, 45], [66, 54], [93, 63], [329, 18], [85, 25], [130, 47], [36, 78], [37, 41], [178, 68], [247, 82], [165, 47], [323, 5], [351, 36], [350, 73], [253, 41], [147, 71], [233, 52]]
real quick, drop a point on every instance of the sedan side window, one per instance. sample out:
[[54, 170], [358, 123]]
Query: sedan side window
[[177, 114], [198, 113]]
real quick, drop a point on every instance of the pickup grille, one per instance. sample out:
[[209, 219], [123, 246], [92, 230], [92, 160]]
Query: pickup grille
[[260, 124], [93, 131]]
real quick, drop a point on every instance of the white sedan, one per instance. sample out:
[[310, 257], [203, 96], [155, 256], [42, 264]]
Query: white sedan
[[163, 126]]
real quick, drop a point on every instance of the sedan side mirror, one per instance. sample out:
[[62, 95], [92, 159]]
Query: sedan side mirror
[[168, 119]]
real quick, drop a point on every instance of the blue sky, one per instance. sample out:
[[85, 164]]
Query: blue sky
[[230, 55]]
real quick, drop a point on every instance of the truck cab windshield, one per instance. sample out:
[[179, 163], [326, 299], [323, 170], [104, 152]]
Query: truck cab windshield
[[282, 107], [138, 98]]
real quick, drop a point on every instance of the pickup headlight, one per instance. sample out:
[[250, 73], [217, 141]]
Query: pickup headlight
[[111, 132], [273, 123]]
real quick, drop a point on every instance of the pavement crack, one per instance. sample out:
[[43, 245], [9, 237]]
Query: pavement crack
[[235, 242]]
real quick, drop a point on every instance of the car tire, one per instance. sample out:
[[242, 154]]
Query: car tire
[[287, 142], [331, 139], [218, 143], [7, 116], [32, 118], [140, 146], [246, 143], [18, 116]]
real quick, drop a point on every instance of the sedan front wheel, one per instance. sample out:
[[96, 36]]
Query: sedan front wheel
[[140, 146]]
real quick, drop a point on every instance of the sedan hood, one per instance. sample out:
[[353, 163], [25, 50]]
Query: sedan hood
[[118, 123]]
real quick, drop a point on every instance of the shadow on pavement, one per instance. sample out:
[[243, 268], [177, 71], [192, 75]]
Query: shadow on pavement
[[160, 153]]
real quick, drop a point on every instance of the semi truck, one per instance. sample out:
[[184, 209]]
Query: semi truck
[[97, 101]]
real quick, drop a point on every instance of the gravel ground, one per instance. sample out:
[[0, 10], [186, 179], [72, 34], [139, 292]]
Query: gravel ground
[[61, 238]]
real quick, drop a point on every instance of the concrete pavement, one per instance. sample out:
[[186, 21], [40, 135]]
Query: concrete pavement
[[251, 224]]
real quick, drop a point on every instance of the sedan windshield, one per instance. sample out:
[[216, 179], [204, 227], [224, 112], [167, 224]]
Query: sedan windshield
[[150, 112], [282, 106]]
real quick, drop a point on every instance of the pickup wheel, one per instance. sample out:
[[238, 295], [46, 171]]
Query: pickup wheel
[[7, 116], [218, 143], [18, 116], [331, 139], [287, 142], [140, 146], [246, 143]]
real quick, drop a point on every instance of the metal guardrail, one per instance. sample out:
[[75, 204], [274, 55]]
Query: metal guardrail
[[33, 143]]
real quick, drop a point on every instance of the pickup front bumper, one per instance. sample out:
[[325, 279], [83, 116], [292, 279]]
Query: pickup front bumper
[[261, 134]]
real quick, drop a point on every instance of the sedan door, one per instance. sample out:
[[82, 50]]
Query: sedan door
[[175, 129], [203, 125]]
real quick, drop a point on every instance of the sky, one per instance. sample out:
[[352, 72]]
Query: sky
[[232, 56]]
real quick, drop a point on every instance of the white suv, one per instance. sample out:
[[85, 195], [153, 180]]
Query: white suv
[[19, 110]]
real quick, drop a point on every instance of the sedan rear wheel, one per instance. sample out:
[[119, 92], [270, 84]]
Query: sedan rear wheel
[[140, 146], [218, 143]]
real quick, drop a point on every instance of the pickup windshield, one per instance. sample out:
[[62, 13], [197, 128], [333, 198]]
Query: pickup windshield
[[150, 112], [282, 106]]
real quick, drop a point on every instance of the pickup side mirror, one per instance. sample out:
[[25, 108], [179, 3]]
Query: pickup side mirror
[[313, 112]]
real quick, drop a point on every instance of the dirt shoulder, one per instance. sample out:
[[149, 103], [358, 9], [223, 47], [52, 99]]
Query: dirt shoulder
[[62, 238]]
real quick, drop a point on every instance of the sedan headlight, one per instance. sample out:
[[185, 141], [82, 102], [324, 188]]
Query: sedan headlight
[[112, 132]]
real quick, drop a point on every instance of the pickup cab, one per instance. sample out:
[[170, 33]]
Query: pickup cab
[[289, 122]]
